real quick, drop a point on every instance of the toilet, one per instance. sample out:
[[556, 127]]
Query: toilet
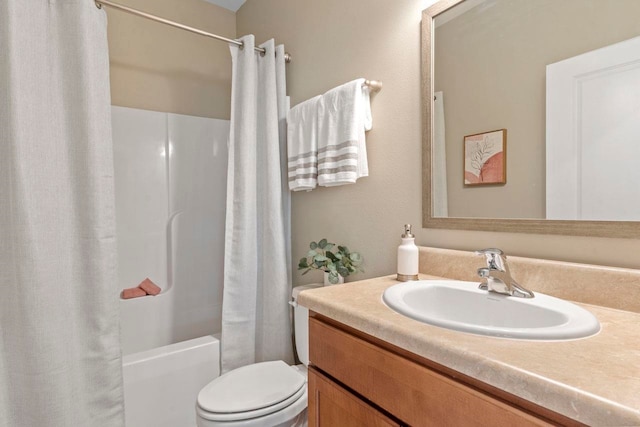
[[266, 394]]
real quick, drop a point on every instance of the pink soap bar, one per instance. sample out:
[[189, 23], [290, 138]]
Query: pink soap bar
[[132, 293], [149, 287]]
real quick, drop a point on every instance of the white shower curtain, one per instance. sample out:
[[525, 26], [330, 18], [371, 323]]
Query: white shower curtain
[[60, 363], [439, 196], [257, 283]]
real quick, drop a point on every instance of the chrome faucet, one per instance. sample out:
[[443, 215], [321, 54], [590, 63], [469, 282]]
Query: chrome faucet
[[496, 276]]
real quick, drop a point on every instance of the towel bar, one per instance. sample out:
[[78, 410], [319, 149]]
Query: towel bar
[[374, 85]]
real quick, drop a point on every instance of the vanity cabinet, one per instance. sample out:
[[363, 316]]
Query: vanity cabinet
[[359, 380], [333, 405]]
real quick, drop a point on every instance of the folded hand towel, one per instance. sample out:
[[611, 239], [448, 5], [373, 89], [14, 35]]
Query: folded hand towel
[[344, 113], [302, 145], [132, 293], [149, 287]]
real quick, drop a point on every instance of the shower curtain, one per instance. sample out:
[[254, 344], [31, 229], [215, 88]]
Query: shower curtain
[[439, 196], [60, 362], [257, 283]]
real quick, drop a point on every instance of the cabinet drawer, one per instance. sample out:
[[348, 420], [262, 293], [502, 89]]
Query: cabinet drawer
[[412, 392], [330, 405]]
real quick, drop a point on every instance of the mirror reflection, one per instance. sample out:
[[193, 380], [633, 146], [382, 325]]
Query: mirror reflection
[[562, 77]]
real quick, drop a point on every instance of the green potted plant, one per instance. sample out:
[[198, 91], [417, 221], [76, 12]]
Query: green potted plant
[[336, 261]]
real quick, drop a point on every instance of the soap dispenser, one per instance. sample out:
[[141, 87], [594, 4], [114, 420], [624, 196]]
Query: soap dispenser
[[407, 256]]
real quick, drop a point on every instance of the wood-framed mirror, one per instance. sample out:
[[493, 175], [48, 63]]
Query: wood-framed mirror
[[570, 127]]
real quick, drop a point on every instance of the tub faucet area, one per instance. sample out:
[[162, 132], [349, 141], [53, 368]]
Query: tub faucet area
[[496, 276]]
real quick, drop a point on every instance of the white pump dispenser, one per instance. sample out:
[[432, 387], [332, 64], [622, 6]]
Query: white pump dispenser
[[407, 256]]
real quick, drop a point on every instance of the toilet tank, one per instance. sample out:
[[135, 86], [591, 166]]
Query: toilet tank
[[301, 323]]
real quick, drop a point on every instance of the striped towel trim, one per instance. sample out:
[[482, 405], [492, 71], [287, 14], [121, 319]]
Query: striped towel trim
[[302, 171], [338, 164]]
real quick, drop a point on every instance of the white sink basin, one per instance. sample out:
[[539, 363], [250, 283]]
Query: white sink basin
[[461, 306]]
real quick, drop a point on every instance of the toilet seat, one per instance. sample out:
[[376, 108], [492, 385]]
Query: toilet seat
[[251, 391], [293, 415]]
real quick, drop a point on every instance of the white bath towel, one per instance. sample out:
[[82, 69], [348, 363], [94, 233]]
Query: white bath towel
[[344, 113], [302, 145]]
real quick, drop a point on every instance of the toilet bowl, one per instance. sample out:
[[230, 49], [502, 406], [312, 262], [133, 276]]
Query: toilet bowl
[[266, 394]]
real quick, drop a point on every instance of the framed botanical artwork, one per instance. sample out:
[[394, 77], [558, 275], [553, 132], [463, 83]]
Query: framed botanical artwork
[[485, 158]]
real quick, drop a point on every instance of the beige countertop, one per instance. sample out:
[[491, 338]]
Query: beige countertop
[[594, 380]]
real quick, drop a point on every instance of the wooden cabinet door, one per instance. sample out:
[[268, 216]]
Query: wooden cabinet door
[[330, 405]]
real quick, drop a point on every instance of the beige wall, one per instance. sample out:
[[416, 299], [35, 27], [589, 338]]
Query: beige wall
[[333, 41], [156, 67], [491, 67]]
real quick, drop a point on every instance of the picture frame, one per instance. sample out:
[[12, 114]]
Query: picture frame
[[485, 158]]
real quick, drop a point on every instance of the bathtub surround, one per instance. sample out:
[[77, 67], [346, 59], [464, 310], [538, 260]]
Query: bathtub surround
[[257, 265], [170, 176], [60, 361]]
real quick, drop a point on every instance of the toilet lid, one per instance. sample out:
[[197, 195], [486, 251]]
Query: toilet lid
[[250, 388]]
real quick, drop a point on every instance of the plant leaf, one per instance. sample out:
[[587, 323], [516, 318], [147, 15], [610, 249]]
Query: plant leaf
[[343, 271], [321, 258], [329, 246], [312, 253], [322, 243], [313, 245], [332, 256]]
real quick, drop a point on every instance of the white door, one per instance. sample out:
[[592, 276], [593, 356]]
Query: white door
[[593, 135]]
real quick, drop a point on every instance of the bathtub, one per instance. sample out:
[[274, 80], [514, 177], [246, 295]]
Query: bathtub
[[161, 385]]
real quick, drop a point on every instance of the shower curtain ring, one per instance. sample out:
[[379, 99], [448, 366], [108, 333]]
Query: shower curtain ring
[[98, 4]]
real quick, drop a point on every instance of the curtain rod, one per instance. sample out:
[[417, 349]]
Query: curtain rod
[[100, 3]]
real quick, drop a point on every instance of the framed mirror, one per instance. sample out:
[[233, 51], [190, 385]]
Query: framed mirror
[[531, 116]]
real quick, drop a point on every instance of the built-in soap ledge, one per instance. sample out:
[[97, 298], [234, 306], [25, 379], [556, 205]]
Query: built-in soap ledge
[[611, 287]]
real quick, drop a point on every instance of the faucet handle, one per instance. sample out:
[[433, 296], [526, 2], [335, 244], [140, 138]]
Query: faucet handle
[[489, 251], [496, 259]]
